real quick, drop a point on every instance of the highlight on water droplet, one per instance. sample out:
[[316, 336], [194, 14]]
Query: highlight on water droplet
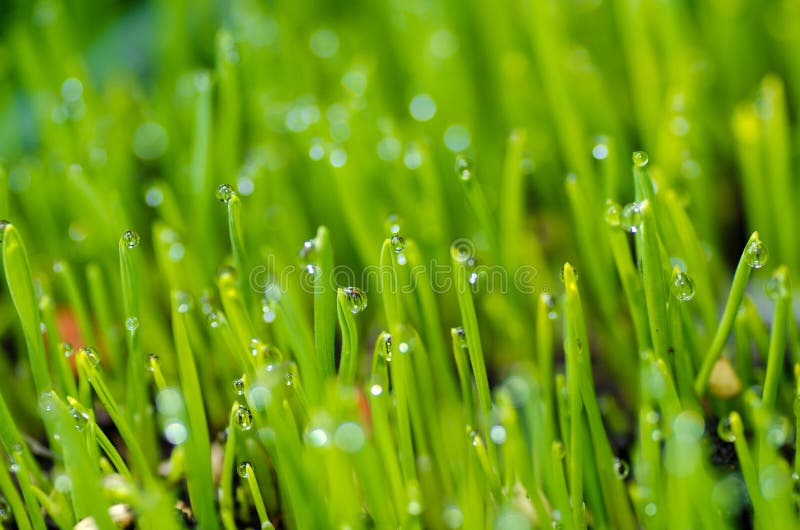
[[725, 430], [621, 468], [67, 348], [464, 168], [225, 192], [631, 218], [756, 254], [356, 299], [131, 239], [244, 418], [393, 223], [640, 158], [243, 470], [682, 286]]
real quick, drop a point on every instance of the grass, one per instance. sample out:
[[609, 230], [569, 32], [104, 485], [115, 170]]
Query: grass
[[237, 235]]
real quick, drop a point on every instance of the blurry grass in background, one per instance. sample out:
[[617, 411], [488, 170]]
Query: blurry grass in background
[[507, 125]]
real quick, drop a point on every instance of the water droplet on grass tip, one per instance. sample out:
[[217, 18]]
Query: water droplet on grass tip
[[356, 299], [756, 254], [376, 390], [461, 336], [621, 468], [67, 348], [398, 243], [777, 287], [132, 324], [612, 213], [238, 386], [640, 158], [152, 362], [225, 193], [91, 355], [244, 418], [464, 168], [725, 430], [387, 347], [131, 239], [631, 218], [243, 470], [682, 286]]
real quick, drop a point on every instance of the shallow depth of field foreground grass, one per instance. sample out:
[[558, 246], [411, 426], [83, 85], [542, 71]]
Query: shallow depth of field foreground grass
[[399, 264]]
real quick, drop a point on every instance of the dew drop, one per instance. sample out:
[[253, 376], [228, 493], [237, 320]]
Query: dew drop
[[464, 168], [132, 324], [68, 349], [152, 362], [131, 239], [225, 193], [631, 218], [756, 254], [244, 418], [777, 287], [243, 470], [387, 347], [403, 347], [550, 304], [376, 390], [725, 430], [91, 355], [238, 386], [640, 158], [3, 225], [398, 243], [612, 213], [5, 510], [356, 299], [682, 286], [621, 468], [461, 337], [47, 401]]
